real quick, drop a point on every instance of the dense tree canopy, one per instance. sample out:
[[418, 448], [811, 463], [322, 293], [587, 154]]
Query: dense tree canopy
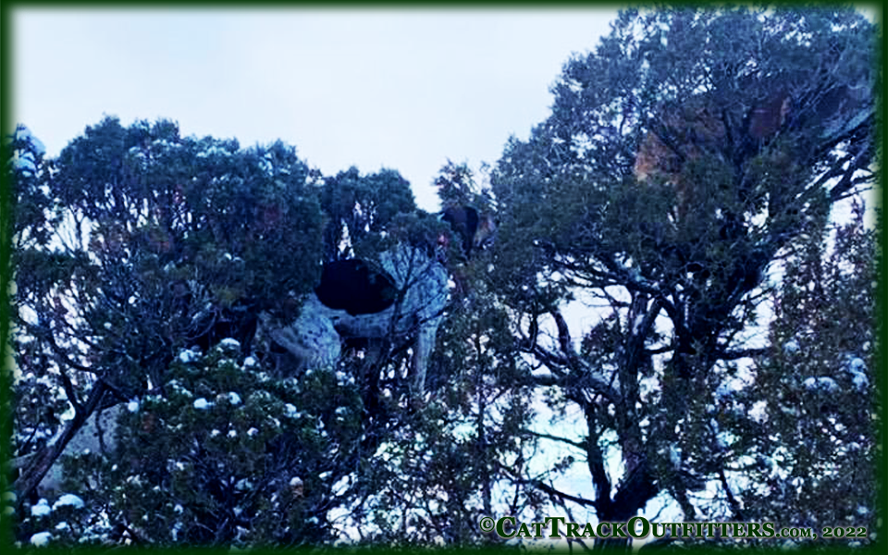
[[686, 156], [678, 198], [142, 263]]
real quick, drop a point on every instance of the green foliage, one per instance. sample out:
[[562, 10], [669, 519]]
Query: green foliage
[[556, 191], [691, 151], [360, 208], [457, 187], [466, 453], [157, 239], [817, 444], [157, 245], [136, 242], [226, 456]]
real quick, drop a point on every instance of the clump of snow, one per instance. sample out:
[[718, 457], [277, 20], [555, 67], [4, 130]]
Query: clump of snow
[[215, 433], [342, 377], [40, 539], [726, 389], [187, 356], [758, 412], [675, 456], [249, 362], [62, 526], [822, 383], [856, 365], [265, 165], [791, 347], [165, 144], [862, 510], [213, 151], [230, 343], [69, 499], [202, 404], [232, 433], [68, 414], [174, 385], [857, 368], [341, 411], [290, 410], [860, 381], [24, 163], [22, 133], [26, 159], [41, 508], [133, 406], [252, 431], [234, 398], [636, 327]]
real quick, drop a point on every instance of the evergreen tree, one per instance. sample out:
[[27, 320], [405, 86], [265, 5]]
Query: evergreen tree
[[135, 244], [814, 443], [141, 270], [466, 452], [226, 455], [686, 155], [361, 208]]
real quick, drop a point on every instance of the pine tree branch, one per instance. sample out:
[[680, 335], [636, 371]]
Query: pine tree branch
[[542, 435], [33, 475]]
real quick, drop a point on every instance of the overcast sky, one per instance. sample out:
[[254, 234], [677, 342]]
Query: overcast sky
[[402, 89]]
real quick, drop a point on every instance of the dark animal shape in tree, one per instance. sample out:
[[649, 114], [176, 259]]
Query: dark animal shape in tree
[[704, 126], [735, 129], [706, 148], [476, 230], [315, 337], [356, 287]]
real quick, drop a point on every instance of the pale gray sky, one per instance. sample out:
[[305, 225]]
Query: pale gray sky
[[403, 89]]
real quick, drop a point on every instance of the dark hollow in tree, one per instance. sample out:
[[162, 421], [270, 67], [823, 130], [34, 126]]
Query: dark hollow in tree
[[356, 287], [464, 221]]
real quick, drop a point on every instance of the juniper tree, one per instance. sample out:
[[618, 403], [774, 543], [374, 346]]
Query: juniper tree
[[684, 157]]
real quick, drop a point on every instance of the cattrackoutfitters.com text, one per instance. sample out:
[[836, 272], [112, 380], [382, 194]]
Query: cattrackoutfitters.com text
[[637, 527]]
